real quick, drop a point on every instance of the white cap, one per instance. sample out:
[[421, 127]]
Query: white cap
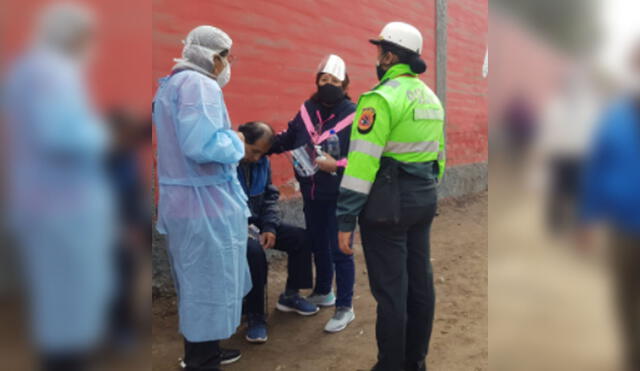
[[401, 34], [333, 65], [201, 44], [207, 40]]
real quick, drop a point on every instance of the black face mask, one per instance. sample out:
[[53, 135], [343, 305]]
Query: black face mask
[[330, 94], [380, 72]]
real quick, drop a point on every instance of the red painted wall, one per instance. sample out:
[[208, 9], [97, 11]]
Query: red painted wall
[[521, 49], [120, 75], [467, 90], [279, 43]]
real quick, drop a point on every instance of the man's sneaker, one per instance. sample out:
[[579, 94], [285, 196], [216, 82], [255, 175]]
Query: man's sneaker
[[340, 320], [257, 329], [296, 303], [228, 356], [328, 300]]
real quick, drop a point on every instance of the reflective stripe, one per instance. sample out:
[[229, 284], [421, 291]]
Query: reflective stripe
[[401, 147], [440, 156], [428, 114], [307, 123], [356, 184], [319, 138], [364, 146], [392, 83]]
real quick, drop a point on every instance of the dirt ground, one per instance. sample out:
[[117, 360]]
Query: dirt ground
[[551, 305], [459, 341]]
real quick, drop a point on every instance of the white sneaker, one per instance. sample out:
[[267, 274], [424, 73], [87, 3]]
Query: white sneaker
[[340, 320]]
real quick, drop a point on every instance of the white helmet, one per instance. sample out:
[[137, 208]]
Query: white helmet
[[333, 65], [401, 34]]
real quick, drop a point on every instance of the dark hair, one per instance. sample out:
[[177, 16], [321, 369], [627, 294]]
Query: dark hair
[[405, 56], [254, 130], [345, 85]]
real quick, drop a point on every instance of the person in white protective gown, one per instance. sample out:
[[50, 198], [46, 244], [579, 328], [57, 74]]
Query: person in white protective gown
[[202, 207]]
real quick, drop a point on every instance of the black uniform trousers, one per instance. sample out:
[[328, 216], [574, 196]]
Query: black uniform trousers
[[401, 280], [293, 241], [202, 356]]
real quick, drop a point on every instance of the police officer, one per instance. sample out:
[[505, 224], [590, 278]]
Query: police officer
[[396, 158]]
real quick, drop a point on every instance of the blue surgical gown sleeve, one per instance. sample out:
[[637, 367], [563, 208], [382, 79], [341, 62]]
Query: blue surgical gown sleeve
[[64, 120], [203, 129]]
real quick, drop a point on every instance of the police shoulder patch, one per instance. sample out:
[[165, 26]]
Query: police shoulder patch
[[366, 120]]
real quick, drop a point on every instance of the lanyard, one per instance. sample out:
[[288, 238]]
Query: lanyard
[[319, 138]]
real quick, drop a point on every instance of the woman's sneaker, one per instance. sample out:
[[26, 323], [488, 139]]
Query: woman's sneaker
[[327, 300], [343, 317], [257, 329], [296, 303]]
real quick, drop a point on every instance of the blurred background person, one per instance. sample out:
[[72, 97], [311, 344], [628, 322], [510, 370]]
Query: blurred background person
[[564, 136], [520, 124], [551, 306], [60, 202], [133, 250], [611, 194]]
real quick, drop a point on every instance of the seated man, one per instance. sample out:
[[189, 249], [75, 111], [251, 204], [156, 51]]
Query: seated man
[[267, 231]]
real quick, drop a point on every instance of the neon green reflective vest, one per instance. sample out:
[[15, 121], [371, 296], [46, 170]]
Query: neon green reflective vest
[[400, 118]]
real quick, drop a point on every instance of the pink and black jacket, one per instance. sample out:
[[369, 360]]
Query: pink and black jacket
[[311, 125]]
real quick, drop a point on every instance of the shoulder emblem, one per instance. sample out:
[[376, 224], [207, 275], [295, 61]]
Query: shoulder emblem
[[366, 120]]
